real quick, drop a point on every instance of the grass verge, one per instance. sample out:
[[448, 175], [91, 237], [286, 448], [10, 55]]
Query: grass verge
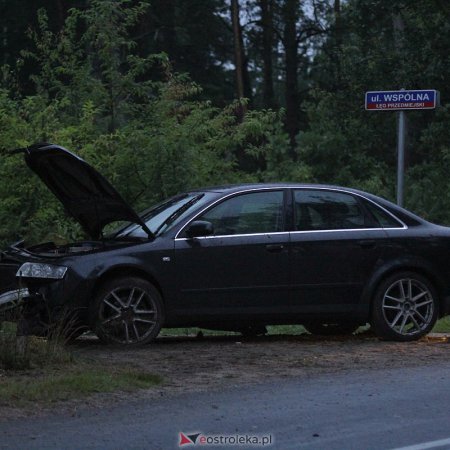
[[33, 352], [442, 326], [46, 371], [70, 383]]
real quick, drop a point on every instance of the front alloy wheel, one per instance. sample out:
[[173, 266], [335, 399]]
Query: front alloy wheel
[[405, 307], [127, 311]]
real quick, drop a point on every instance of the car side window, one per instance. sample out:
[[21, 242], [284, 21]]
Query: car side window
[[328, 210], [384, 219], [256, 212]]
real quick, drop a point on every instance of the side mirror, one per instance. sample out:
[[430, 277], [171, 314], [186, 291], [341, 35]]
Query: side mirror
[[199, 228]]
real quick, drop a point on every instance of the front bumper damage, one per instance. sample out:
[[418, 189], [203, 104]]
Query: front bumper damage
[[12, 299], [12, 294], [36, 315], [23, 301], [40, 305], [25, 308]]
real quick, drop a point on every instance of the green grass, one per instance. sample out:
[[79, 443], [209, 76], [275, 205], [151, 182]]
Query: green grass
[[72, 383], [193, 331], [46, 371], [8, 328], [286, 329], [36, 353], [442, 326]]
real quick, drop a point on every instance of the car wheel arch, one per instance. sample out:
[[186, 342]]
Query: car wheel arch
[[399, 311], [125, 271], [382, 275]]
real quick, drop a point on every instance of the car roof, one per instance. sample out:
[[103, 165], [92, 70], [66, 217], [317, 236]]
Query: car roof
[[249, 186], [398, 211]]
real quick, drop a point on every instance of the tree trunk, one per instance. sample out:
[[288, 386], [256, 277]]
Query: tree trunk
[[266, 7], [238, 44], [399, 36], [243, 88], [291, 12], [61, 9], [170, 37], [337, 7], [5, 45], [399, 28], [338, 43], [337, 21]]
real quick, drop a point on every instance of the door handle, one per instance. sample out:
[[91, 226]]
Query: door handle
[[275, 248], [367, 243]]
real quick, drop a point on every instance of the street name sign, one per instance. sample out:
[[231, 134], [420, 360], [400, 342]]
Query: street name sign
[[402, 100]]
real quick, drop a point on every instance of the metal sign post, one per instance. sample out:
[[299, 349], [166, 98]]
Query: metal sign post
[[401, 101], [401, 156]]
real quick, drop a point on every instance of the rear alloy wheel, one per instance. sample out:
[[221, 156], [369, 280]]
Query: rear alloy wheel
[[405, 307], [330, 329], [127, 311]]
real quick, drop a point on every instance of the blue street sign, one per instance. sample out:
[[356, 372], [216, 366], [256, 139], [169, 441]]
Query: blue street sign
[[401, 100]]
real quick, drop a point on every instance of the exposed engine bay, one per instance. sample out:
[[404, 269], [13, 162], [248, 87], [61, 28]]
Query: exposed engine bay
[[52, 249]]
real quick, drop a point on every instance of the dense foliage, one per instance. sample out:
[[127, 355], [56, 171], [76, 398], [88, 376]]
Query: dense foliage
[[149, 93], [370, 51]]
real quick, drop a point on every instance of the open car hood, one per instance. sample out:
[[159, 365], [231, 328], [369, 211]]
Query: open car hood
[[86, 195]]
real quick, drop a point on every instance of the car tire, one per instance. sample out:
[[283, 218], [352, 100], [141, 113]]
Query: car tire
[[330, 329], [127, 311], [405, 307]]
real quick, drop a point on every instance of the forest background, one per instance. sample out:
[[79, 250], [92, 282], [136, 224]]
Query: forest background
[[166, 95]]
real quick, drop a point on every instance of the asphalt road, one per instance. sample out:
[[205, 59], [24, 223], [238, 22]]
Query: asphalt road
[[360, 409]]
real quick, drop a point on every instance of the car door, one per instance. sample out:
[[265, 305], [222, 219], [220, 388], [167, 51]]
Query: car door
[[243, 268], [335, 246]]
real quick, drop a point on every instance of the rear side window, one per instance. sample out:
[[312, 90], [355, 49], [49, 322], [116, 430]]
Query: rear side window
[[329, 210], [383, 218]]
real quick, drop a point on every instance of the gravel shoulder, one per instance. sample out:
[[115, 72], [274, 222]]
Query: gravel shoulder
[[190, 364]]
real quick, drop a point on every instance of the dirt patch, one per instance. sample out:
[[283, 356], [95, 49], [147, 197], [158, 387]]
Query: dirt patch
[[214, 362]]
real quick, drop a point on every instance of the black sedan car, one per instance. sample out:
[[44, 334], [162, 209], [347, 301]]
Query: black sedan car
[[229, 257]]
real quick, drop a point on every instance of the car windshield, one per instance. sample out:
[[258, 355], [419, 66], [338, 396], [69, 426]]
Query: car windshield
[[166, 215]]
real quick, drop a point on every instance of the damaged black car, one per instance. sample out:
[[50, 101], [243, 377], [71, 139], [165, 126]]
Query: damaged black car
[[230, 257]]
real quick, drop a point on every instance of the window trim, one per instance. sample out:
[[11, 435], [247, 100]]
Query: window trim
[[360, 197], [283, 190], [401, 224], [221, 236], [366, 215], [289, 191]]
